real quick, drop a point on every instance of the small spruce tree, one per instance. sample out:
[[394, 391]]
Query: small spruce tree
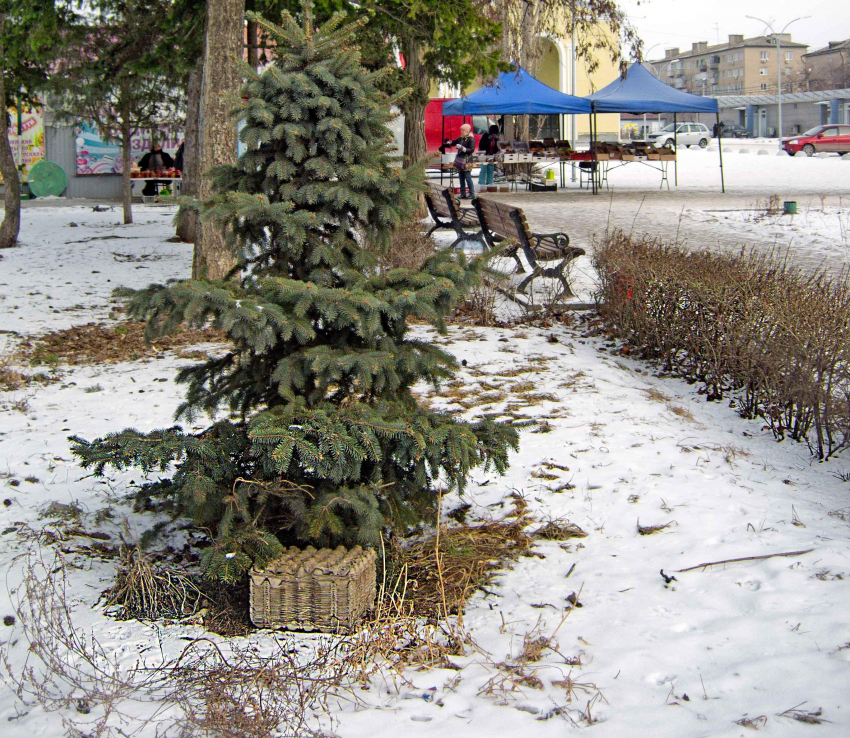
[[325, 442]]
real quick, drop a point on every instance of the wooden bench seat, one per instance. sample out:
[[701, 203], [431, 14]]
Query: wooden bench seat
[[502, 223], [447, 213]]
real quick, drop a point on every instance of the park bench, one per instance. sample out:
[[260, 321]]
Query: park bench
[[502, 223], [447, 213]]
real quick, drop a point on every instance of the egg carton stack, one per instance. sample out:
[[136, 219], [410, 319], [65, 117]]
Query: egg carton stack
[[323, 589]]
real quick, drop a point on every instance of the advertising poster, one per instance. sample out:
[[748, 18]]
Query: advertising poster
[[28, 148], [97, 156]]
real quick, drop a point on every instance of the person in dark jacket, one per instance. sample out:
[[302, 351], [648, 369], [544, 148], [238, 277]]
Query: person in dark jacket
[[178, 157], [489, 145], [155, 159], [465, 144]]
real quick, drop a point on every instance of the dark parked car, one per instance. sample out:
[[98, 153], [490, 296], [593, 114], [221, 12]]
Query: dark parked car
[[733, 131], [830, 138]]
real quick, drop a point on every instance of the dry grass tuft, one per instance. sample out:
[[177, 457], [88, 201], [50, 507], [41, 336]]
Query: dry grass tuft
[[11, 380], [470, 555], [654, 394], [99, 343], [810, 717], [559, 530], [146, 590], [754, 723], [682, 412], [648, 530]]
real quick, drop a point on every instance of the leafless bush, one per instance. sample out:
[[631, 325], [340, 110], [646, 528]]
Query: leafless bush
[[65, 669], [749, 323], [769, 210], [408, 249], [239, 691], [479, 308], [215, 689]]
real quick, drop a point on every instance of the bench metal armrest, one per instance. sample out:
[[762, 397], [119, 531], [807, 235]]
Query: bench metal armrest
[[561, 240]]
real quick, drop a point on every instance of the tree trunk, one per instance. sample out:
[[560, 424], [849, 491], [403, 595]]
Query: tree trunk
[[126, 165], [252, 37], [253, 40], [529, 57], [187, 219], [11, 225], [213, 258], [414, 108]]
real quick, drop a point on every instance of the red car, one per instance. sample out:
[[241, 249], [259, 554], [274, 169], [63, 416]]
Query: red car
[[830, 138]]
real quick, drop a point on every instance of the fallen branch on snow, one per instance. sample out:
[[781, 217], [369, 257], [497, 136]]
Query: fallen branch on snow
[[744, 558]]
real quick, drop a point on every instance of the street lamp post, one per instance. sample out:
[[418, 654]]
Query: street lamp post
[[655, 72], [778, 38]]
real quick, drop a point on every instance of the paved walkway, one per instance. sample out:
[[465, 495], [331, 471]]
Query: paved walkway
[[695, 219]]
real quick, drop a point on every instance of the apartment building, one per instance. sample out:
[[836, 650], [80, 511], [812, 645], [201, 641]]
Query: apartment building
[[743, 66], [827, 68]]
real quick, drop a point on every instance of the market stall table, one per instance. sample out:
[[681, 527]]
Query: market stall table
[[174, 184]]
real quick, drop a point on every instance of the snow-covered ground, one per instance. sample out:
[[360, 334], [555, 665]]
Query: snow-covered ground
[[684, 658], [69, 259], [699, 215]]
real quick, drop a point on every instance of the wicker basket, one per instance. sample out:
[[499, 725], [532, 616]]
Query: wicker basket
[[326, 589]]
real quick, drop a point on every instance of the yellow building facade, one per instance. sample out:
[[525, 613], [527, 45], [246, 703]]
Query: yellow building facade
[[555, 70]]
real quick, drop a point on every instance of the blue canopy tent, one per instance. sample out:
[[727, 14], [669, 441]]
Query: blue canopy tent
[[642, 92], [517, 93]]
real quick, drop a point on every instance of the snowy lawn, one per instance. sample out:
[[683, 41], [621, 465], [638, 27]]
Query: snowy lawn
[[613, 447]]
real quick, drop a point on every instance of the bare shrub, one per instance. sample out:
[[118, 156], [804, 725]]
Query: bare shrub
[[65, 669], [216, 689], [479, 307], [750, 323], [408, 249]]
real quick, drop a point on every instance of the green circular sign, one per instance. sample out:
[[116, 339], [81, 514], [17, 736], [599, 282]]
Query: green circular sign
[[46, 178]]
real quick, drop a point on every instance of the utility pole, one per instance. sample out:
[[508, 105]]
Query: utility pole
[[655, 72], [778, 38]]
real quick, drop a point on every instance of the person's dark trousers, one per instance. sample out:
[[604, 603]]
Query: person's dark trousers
[[466, 181], [151, 186]]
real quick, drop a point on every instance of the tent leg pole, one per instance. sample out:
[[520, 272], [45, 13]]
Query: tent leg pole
[[720, 149], [592, 156], [595, 155], [676, 146]]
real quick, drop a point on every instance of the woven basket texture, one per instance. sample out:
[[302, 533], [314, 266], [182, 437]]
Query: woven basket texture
[[328, 589]]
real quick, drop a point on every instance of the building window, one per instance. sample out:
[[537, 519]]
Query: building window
[[763, 86], [764, 56], [789, 56], [787, 72], [763, 71]]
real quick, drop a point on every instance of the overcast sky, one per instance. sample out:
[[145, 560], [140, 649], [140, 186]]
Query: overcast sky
[[670, 23]]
